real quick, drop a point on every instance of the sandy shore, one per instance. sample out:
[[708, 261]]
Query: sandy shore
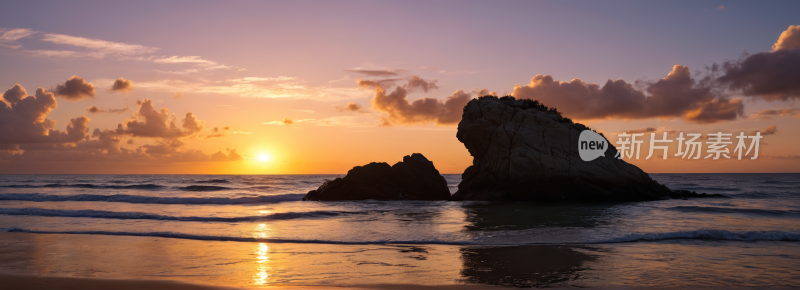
[[22, 282]]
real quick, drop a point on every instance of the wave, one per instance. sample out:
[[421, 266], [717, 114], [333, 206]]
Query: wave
[[151, 199], [203, 188], [213, 181], [87, 185], [175, 235], [707, 235], [710, 188], [148, 216], [720, 235], [707, 209]]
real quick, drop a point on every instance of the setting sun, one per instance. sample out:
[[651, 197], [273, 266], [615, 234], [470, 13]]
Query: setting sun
[[263, 157]]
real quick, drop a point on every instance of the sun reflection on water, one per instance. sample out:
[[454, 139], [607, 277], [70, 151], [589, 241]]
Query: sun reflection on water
[[262, 260], [262, 277]]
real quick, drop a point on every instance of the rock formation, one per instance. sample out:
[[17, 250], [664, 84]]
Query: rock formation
[[414, 178], [524, 151]]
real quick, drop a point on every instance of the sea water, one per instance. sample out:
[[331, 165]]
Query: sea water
[[251, 230]]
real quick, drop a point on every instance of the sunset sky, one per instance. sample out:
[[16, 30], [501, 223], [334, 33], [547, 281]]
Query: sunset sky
[[310, 87]]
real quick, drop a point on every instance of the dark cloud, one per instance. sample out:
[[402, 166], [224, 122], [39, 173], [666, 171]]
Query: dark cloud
[[377, 73], [23, 119], [75, 89], [287, 121], [716, 110], [424, 110], [122, 85], [350, 107], [27, 135], [148, 122], [642, 130], [96, 110], [770, 75], [677, 95]]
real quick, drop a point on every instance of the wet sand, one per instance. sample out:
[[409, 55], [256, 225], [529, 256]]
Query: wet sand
[[22, 282]]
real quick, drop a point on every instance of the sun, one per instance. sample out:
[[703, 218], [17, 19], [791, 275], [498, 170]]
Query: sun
[[263, 157]]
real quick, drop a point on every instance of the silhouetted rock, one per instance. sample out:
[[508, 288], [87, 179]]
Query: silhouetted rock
[[523, 151], [414, 178], [683, 194]]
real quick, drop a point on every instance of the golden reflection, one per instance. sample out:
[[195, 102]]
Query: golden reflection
[[262, 277], [261, 231]]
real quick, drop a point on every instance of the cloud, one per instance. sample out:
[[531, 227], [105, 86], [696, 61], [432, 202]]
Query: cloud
[[217, 132], [769, 75], [642, 130], [401, 111], [305, 111], [163, 147], [27, 135], [273, 89], [770, 130], [716, 110], [23, 119], [96, 110], [148, 122], [675, 96], [178, 95], [75, 89], [377, 73], [789, 39], [260, 79], [14, 34], [332, 121], [350, 107], [122, 85], [231, 156], [785, 157], [99, 48], [185, 59], [767, 114]]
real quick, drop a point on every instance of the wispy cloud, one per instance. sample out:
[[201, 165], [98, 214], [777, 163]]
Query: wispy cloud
[[14, 34], [185, 59], [350, 121], [259, 79], [99, 47], [288, 88]]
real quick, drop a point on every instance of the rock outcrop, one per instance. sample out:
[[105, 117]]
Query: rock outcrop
[[524, 151], [414, 178]]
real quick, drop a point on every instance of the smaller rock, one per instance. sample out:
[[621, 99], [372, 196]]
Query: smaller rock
[[414, 178], [685, 194]]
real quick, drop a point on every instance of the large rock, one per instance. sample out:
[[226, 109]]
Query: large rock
[[414, 178], [524, 151]]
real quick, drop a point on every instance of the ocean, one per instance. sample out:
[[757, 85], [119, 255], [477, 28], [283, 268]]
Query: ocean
[[254, 230]]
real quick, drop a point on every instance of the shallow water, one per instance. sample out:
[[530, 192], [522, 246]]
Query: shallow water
[[223, 229]]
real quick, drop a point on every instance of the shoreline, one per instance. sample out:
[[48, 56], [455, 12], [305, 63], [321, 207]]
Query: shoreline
[[29, 282]]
